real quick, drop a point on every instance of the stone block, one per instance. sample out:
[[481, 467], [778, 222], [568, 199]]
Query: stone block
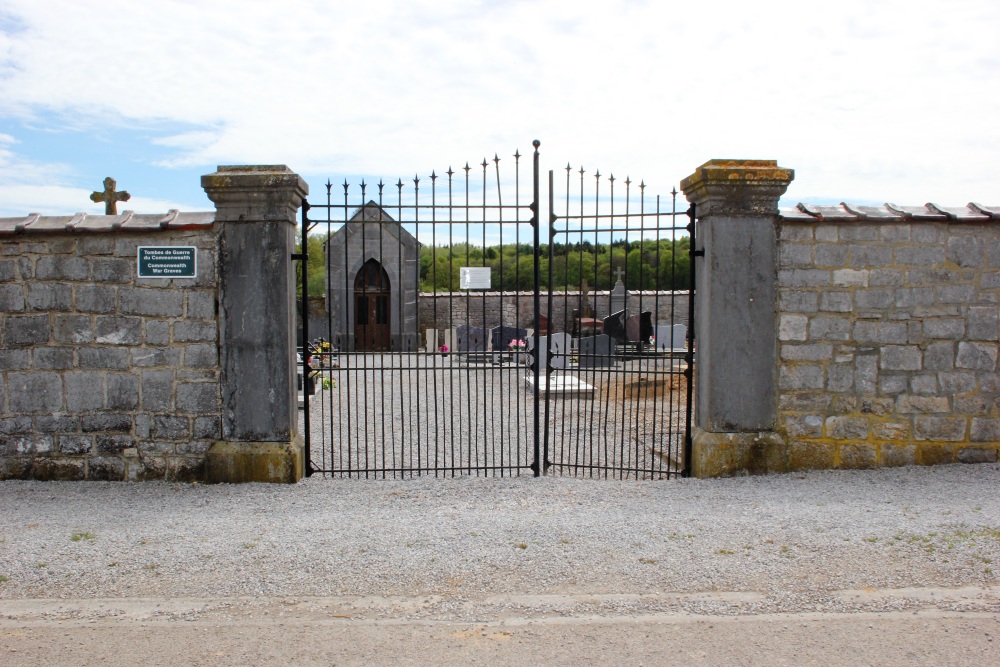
[[57, 423], [847, 428], [73, 329], [58, 469], [909, 297], [151, 302], [157, 389], [865, 373], [123, 392], [927, 234], [147, 357], [831, 255], [84, 391], [804, 400], [910, 405], [827, 233], [924, 383], [797, 301], [119, 330], [811, 455], [95, 245], [106, 469], [932, 454], [107, 358], [886, 278], [985, 430], [795, 232], [983, 323], [869, 256], [198, 398], [156, 447], [850, 278], [794, 254], [200, 305], [106, 422], [207, 428], [15, 360], [34, 393], [966, 251], [15, 425], [201, 356], [946, 328], [230, 462], [894, 232], [803, 278], [26, 330], [875, 299], [53, 358], [8, 270], [939, 429], [892, 385], [75, 444], [956, 382], [859, 232], [858, 456], [920, 256], [157, 332], [835, 302], [186, 331], [96, 298], [187, 469], [880, 406], [11, 298], [112, 270], [989, 280], [30, 443], [976, 455], [939, 356], [976, 356], [193, 447], [800, 377], [49, 296], [955, 293], [171, 428], [839, 378], [829, 328], [808, 352], [62, 268], [880, 332], [808, 426], [898, 455], [901, 358], [970, 404], [793, 327]]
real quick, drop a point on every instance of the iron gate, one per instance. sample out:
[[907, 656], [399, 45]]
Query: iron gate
[[464, 336]]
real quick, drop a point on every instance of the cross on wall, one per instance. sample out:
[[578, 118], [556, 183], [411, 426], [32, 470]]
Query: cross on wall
[[109, 196]]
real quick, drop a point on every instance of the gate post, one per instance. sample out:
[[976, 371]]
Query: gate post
[[735, 317], [256, 213]]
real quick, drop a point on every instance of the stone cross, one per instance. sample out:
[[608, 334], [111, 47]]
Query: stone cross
[[618, 274], [110, 197]]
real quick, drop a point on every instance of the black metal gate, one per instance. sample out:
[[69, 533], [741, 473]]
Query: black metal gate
[[462, 335]]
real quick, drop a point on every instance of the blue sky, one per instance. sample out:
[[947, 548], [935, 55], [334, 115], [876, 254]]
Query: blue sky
[[867, 100]]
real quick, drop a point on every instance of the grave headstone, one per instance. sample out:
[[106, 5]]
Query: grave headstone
[[614, 326], [432, 338], [639, 328], [502, 336], [560, 346], [597, 351], [471, 339]]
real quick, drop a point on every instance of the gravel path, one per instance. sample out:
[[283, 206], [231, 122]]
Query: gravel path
[[457, 548]]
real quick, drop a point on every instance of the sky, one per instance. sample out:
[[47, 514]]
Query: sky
[[868, 101]]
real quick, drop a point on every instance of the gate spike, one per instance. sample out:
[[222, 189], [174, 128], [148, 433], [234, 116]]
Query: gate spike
[[582, 172], [346, 185], [517, 154], [416, 180], [449, 172], [485, 164], [568, 168], [496, 159], [628, 181], [598, 175], [612, 178], [399, 184], [467, 168], [328, 186], [380, 186], [673, 191], [433, 175]]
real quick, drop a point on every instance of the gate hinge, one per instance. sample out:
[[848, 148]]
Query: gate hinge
[[699, 253], [297, 255]]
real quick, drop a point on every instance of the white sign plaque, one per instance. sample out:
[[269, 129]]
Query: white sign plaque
[[474, 277]]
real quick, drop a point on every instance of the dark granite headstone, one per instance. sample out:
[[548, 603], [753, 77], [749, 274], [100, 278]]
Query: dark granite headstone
[[614, 326], [596, 351], [502, 336], [639, 328], [471, 339]]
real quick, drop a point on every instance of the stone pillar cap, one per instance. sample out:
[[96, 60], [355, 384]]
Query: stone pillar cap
[[240, 177], [738, 170], [737, 187]]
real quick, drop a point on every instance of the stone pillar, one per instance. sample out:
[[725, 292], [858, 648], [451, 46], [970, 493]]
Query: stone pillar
[[256, 212], [735, 316]]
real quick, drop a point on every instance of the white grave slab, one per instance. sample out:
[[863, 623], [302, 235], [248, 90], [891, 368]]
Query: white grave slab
[[560, 386]]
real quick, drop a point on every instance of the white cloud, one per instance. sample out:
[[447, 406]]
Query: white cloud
[[865, 99]]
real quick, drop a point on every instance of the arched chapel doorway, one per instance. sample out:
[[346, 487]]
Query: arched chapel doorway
[[371, 308]]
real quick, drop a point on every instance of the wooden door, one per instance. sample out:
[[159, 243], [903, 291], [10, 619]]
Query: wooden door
[[371, 308]]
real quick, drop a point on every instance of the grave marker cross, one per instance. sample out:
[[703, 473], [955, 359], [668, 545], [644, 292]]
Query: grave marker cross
[[110, 197], [618, 274]]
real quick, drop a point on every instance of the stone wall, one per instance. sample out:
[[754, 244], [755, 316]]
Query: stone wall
[[888, 337], [489, 309], [103, 375]]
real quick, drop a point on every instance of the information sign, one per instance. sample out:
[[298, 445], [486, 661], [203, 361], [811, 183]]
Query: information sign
[[167, 261]]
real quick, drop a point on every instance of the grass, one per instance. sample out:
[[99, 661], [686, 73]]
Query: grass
[[3, 579], [78, 535], [522, 545], [724, 552], [648, 561]]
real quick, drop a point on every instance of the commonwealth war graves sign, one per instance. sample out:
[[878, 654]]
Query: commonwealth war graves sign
[[167, 261]]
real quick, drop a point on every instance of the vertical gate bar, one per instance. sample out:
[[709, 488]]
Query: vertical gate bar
[[303, 266], [536, 223], [689, 357], [496, 163], [548, 332]]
